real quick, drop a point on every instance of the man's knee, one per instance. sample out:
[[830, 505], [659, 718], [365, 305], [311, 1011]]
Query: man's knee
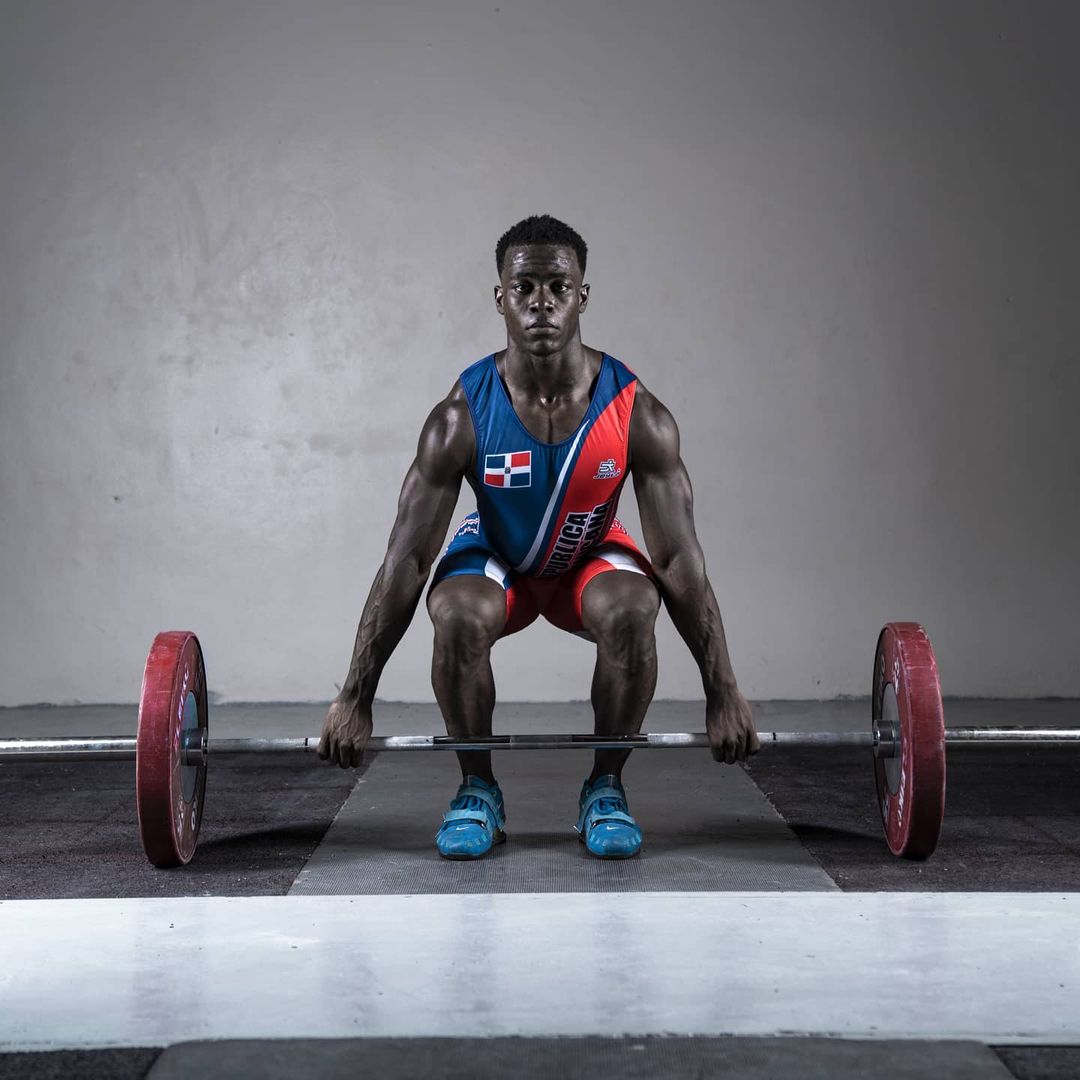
[[468, 613], [619, 611]]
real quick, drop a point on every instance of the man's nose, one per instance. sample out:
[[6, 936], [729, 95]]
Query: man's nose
[[544, 299]]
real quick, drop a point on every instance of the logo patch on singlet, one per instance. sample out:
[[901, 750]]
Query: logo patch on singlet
[[608, 470], [508, 470]]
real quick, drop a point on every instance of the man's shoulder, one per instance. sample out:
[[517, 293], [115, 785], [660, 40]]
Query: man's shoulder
[[647, 405], [654, 435], [453, 411], [447, 436], [453, 408]]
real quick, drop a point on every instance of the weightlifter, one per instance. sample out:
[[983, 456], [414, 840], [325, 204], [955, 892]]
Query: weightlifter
[[546, 431]]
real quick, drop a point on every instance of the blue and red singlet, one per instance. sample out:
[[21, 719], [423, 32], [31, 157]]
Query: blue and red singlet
[[545, 521]]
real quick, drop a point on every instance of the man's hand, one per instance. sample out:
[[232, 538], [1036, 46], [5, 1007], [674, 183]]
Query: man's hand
[[345, 733], [730, 725]]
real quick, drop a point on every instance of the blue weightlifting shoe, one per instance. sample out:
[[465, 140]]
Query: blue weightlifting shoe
[[474, 823], [604, 825]]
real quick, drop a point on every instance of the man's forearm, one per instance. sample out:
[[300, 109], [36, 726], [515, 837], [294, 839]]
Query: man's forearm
[[389, 610], [690, 601]]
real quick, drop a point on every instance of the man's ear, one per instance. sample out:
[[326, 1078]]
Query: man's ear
[[583, 297], [499, 299]]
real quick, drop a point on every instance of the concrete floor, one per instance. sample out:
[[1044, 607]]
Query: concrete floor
[[1000, 968]]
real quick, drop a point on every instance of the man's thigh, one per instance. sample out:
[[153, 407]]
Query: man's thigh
[[478, 577]]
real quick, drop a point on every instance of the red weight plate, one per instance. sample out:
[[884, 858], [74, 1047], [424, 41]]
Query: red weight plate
[[907, 702], [169, 793]]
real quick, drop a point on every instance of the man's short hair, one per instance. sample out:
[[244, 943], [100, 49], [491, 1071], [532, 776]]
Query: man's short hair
[[540, 229]]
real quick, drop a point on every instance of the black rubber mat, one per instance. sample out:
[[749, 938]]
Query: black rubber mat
[[628, 1059], [1041, 1062], [125, 1063], [1012, 819], [70, 830], [706, 827], [134, 1063]]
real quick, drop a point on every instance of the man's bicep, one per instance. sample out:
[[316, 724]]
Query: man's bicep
[[666, 508], [661, 483], [423, 516]]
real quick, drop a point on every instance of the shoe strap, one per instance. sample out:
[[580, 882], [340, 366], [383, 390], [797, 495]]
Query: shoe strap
[[487, 798], [612, 815], [602, 793]]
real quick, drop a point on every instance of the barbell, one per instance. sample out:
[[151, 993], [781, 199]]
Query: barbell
[[172, 746]]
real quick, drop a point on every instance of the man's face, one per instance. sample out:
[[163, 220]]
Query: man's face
[[540, 296]]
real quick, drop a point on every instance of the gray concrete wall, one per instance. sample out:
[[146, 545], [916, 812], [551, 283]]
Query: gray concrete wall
[[246, 245]]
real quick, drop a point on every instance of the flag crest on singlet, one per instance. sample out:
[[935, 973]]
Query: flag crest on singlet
[[508, 470], [542, 509]]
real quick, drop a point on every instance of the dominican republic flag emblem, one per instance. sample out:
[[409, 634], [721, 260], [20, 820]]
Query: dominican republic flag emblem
[[508, 470]]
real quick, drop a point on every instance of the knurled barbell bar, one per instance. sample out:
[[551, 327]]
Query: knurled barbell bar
[[172, 747], [195, 745]]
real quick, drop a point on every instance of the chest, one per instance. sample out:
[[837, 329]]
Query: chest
[[550, 422]]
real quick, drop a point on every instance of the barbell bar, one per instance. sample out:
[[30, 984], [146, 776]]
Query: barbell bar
[[172, 747], [195, 751]]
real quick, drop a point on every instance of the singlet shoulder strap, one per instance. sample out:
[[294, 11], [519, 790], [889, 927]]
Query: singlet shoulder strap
[[479, 383], [621, 374]]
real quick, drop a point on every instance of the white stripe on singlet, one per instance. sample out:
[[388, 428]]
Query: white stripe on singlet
[[496, 569], [525, 563], [617, 557]]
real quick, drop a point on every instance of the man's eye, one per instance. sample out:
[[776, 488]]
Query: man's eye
[[521, 286]]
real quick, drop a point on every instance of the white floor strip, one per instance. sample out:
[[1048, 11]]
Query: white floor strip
[[998, 967]]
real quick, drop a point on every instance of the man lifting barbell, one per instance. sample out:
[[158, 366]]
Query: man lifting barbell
[[546, 432]]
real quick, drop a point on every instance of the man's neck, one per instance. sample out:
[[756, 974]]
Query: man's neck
[[554, 375]]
